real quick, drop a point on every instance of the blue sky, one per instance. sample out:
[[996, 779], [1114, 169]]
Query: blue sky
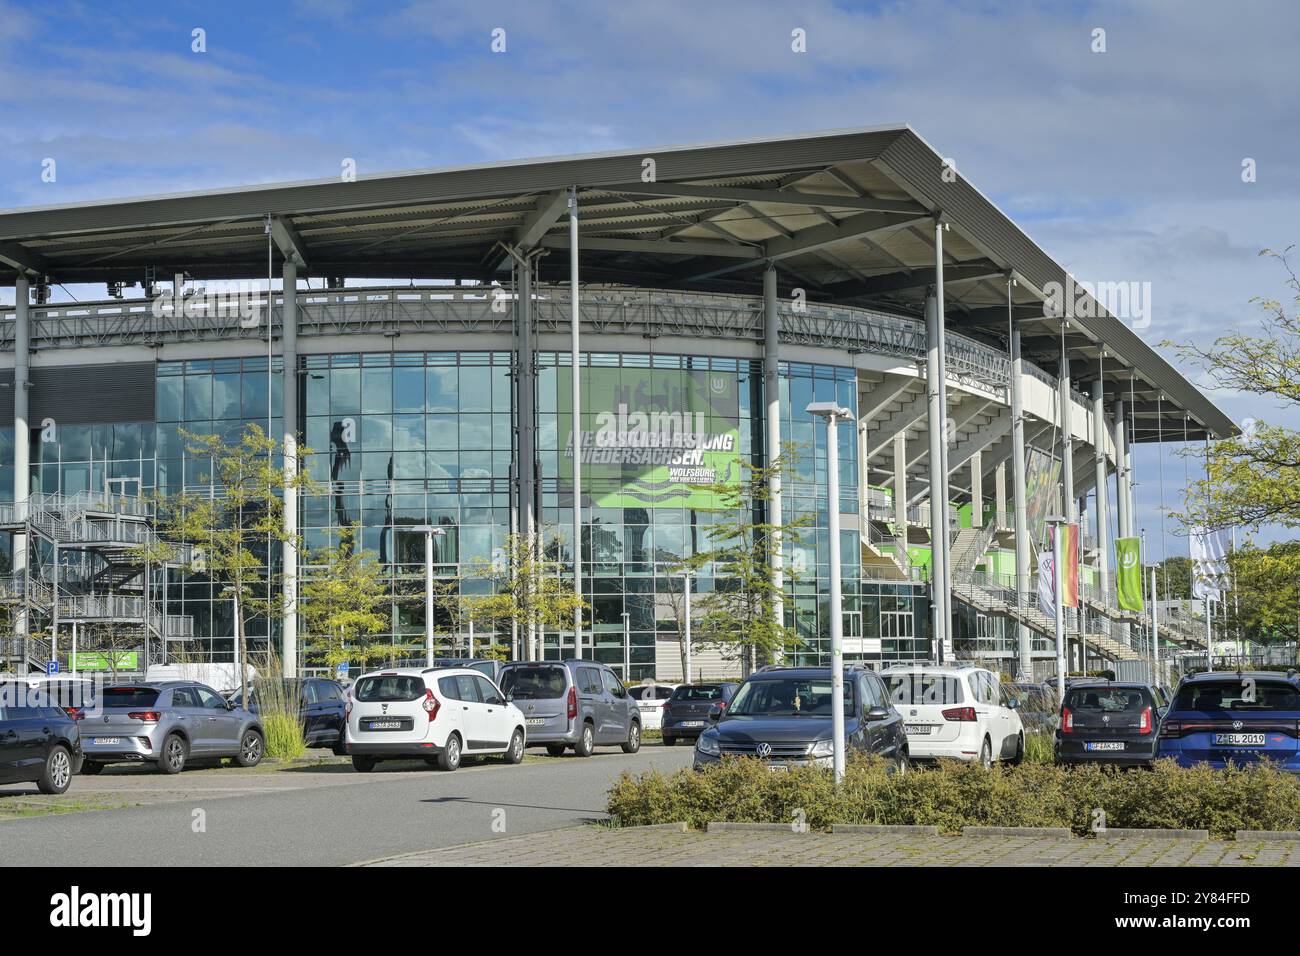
[[1124, 165]]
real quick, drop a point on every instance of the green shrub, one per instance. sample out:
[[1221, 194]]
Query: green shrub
[[953, 795], [284, 739]]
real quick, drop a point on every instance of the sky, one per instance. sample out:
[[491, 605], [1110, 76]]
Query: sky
[[1124, 164]]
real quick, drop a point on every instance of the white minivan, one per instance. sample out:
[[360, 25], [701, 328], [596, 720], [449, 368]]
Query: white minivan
[[439, 714], [958, 712]]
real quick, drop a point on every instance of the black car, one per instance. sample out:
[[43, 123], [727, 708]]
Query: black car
[[1114, 722], [686, 713], [783, 716], [320, 702], [1037, 706], [39, 742]]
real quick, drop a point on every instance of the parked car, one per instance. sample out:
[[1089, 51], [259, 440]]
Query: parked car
[[167, 724], [39, 743], [782, 715], [686, 713], [489, 668], [573, 704], [1222, 718], [1038, 707], [320, 702], [959, 712], [650, 702], [439, 714], [1114, 722], [74, 695]]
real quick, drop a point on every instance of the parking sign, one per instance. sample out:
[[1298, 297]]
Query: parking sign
[[51, 668]]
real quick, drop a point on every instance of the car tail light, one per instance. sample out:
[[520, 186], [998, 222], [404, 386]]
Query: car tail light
[[148, 716], [1171, 728], [1144, 723], [1067, 721], [572, 710], [430, 705], [665, 705], [76, 713], [959, 713]]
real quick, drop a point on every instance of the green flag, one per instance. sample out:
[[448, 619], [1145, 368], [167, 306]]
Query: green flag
[[1128, 577]]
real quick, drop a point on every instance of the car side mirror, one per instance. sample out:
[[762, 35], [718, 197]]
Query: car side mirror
[[715, 713], [878, 713], [1014, 703], [231, 705], [510, 696]]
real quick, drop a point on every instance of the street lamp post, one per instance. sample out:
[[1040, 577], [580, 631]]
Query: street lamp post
[[686, 576], [627, 638], [429, 531], [1058, 522], [239, 644], [834, 413]]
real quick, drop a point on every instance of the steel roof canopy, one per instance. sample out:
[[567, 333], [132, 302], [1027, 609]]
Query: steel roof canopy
[[846, 214]]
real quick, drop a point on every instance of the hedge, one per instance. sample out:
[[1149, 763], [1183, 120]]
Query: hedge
[[953, 795]]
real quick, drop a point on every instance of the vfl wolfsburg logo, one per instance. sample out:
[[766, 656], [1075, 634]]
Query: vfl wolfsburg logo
[[1129, 560]]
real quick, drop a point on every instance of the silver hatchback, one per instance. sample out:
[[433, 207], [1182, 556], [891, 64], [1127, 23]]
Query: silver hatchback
[[167, 724]]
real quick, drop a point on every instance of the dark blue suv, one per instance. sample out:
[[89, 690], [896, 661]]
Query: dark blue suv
[[783, 715], [1223, 717]]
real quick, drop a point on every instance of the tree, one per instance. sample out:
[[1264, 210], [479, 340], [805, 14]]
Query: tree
[[527, 588], [738, 616], [236, 527], [1264, 605], [1253, 478], [1174, 579], [340, 601]]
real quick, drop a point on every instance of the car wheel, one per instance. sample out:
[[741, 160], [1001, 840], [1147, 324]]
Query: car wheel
[[341, 745], [986, 753], [57, 773], [586, 743], [633, 743], [362, 764], [902, 764], [1019, 757], [556, 750], [251, 747], [670, 741], [449, 759], [92, 768], [515, 753], [174, 754]]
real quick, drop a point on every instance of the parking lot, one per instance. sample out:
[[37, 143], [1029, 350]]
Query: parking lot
[[317, 813]]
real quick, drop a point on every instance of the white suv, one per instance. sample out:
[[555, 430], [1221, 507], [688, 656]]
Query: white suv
[[439, 714], [956, 712]]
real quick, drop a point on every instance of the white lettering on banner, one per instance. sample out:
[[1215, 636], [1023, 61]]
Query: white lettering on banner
[[676, 439]]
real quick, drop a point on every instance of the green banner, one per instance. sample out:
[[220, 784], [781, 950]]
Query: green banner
[[101, 661], [652, 438], [1128, 573]]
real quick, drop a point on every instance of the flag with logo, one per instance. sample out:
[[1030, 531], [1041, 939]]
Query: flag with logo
[[1128, 573], [1047, 583], [1209, 564], [1070, 565]]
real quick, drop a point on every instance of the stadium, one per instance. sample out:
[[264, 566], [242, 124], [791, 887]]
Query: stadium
[[417, 332]]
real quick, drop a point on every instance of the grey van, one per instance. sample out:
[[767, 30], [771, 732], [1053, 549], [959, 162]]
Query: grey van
[[572, 704]]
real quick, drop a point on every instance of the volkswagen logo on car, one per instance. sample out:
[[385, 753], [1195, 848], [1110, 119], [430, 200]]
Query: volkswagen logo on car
[[763, 750]]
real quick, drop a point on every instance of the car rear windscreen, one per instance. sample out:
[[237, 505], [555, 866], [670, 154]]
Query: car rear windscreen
[[923, 688], [699, 692], [1108, 700], [389, 688], [1238, 694], [534, 683], [128, 697]]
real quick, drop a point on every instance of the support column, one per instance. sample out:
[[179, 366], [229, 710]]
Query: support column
[[772, 396], [527, 426], [900, 496], [939, 577], [1024, 639], [1122, 491], [1000, 494], [575, 362], [289, 423], [1065, 392], [22, 438], [1103, 498], [977, 490], [945, 439]]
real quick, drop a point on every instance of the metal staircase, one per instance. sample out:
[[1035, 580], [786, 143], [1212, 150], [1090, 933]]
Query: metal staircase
[[93, 571]]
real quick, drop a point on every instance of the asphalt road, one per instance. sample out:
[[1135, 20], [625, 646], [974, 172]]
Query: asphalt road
[[316, 816]]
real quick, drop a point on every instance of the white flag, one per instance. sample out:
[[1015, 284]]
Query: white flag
[[1209, 565], [1047, 582]]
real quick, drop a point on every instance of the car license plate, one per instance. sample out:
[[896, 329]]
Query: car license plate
[[692, 723], [107, 741], [384, 725], [1239, 740], [1104, 745], [917, 728], [778, 767], [536, 721]]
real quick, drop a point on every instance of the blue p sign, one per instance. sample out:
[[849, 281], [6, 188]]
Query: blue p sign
[[51, 668]]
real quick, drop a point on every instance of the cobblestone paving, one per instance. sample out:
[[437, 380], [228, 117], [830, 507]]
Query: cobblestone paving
[[583, 846]]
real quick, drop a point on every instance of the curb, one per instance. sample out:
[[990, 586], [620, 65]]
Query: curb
[[717, 826], [1276, 836], [900, 828], [679, 827], [1155, 834], [1055, 833]]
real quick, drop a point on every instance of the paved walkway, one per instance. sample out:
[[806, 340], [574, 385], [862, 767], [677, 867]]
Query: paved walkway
[[666, 846]]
